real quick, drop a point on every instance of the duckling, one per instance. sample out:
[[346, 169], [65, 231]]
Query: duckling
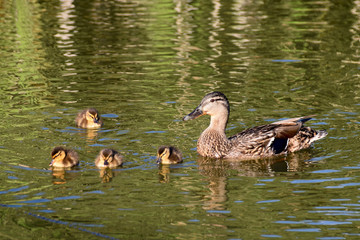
[[280, 137], [89, 118], [168, 155], [108, 158], [64, 158]]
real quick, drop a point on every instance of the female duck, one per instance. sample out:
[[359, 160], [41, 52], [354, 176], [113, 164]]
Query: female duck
[[64, 158], [89, 118], [262, 141], [168, 155], [108, 158]]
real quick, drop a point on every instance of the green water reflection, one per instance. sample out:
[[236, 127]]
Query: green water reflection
[[146, 64]]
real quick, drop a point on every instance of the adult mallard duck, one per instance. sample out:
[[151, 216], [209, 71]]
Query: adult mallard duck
[[89, 118], [63, 158], [168, 155], [108, 158], [262, 141]]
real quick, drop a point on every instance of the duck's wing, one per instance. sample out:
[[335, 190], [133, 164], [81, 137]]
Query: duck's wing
[[118, 159], [80, 119], [73, 158], [175, 155], [267, 139]]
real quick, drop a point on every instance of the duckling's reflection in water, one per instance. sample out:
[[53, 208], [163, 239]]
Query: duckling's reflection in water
[[62, 175], [164, 173], [90, 135], [106, 175], [217, 172]]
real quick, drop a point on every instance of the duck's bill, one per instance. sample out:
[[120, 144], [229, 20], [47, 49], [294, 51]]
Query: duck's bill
[[51, 163], [194, 114], [158, 160]]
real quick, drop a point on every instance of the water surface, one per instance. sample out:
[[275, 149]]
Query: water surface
[[146, 64]]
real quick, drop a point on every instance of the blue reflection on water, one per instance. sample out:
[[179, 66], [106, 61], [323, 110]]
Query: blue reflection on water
[[319, 180], [110, 115], [304, 230], [67, 198], [326, 171], [337, 212], [14, 190], [36, 201], [218, 211], [310, 222], [269, 201], [344, 185], [11, 205], [285, 60], [155, 132], [271, 236]]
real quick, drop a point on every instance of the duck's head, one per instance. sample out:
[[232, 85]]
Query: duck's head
[[212, 104], [92, 115], [163, 154], [58, 154], [107, 155]]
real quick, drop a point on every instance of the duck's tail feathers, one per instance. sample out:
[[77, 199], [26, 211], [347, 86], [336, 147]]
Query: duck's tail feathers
[[304, 138]]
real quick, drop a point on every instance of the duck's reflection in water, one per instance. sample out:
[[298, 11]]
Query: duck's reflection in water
[[63, 175], [217, 172]]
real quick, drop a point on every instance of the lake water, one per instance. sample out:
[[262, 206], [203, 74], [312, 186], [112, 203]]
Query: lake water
[[146, 64]]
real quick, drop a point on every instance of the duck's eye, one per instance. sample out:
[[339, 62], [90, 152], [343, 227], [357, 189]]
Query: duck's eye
[[212, 100]]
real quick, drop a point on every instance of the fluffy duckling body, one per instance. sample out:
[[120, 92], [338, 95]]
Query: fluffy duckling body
[[89, 118], [108, 158], [168, 155], [280, 137], [64, 158]]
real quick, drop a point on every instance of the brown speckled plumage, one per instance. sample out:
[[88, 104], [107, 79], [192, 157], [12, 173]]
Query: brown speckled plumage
[[284, 136]]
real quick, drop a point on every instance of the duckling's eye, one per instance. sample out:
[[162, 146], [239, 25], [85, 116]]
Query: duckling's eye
[[212, 100]]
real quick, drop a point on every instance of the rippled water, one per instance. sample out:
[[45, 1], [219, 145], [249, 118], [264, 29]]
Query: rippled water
[[146, 64]]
